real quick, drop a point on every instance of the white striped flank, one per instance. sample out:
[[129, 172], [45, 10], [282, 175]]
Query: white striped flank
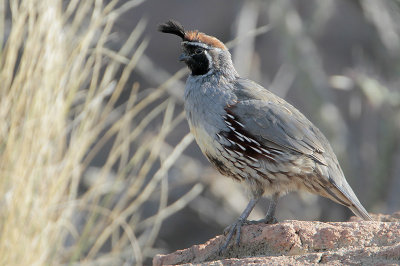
[[278, 152], [251, 158], [241, 147], [231, 116], [239, 153], [231, 141], [266, 151], [257, 150], [255, 142], [230, 152], [239, 137], [240, 124], [269, 157]]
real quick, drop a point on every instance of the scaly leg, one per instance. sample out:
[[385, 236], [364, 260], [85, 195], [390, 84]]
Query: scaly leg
[[237, 226], [270, 217]]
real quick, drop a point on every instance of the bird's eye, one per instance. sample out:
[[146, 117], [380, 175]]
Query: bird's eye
[[198, 51]]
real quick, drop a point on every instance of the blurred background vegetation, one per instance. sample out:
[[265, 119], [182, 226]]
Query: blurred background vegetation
[[97, 166]]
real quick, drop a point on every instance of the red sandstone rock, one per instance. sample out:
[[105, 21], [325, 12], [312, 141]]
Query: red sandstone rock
[[302, 243]]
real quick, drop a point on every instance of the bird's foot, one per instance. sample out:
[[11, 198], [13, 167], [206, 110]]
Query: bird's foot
[[237, 228], [266, 220], [230, 232]]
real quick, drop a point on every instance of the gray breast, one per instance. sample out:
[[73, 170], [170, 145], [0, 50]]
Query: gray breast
[[205, 100]]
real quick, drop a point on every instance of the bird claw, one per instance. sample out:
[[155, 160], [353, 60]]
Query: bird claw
[[266, 220], [237, 228], [230, 231], [271, 220]]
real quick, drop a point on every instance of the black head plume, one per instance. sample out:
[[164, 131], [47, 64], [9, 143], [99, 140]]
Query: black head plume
[[195, 36], [172, 27]]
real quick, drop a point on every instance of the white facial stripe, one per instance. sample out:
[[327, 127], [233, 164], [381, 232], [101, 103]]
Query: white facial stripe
[[200, 44], [210, 63]]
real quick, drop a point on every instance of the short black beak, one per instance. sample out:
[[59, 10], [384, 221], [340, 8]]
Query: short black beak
[[184, 57]]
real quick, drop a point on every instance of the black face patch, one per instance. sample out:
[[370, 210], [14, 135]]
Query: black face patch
[[197, 61]]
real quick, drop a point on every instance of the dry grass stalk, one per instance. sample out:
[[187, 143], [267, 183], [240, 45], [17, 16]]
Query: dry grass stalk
[[58, 95]]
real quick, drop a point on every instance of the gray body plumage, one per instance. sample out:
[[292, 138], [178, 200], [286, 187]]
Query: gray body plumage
[[305, 159]]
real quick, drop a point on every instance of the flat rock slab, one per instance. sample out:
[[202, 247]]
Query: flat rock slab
[[301, 243]]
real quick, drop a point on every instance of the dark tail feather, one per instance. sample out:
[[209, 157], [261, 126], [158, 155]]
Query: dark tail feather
[[345, 196], [360, 211]]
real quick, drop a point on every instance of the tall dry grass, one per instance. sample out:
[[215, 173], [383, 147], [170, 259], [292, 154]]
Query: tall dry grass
[[59, 87]]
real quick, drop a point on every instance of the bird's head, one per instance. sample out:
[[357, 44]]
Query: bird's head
[[202, 53]]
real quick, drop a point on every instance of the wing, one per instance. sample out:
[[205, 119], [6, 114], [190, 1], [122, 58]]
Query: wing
[[272, 119]]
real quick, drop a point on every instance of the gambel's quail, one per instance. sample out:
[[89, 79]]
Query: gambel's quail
[[252, 135]]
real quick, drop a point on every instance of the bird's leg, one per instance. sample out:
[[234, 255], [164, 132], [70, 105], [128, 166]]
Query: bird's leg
[[270, 217], [237, 226]]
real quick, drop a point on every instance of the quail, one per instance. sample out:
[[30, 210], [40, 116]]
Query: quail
[[252, 135]]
